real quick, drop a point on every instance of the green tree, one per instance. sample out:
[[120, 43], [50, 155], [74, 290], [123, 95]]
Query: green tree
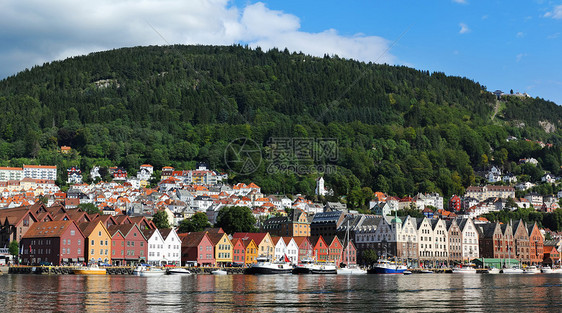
[[198, 222], [369, 256], [236, 219], [89, 208], [13, 248], [160, 219]]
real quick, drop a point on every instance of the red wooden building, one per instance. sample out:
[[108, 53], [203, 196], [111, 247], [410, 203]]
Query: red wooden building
[[134, 243], [197, 247], [319, 248], [56, 242], [238, 251]]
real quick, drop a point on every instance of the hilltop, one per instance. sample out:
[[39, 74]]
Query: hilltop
[[396, 129]]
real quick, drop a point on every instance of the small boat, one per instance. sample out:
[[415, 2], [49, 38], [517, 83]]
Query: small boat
[[531, 270], [466, 269], [265, 266], [147, 271], [493, 270], [387, 267], [93, 269], [178, 271], [407, 273], [513, 270], [219, 272], [426, 272], [351, 270]]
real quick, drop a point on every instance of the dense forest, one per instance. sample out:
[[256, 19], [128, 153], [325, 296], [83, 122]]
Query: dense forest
[[393, 128]]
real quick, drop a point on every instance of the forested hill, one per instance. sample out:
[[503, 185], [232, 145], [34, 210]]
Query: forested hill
[[398, 130]]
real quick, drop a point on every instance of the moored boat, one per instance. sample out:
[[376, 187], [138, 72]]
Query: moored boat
[[387, 267], [513, 270], [265, 266], [178, 271], [93, 269], [309, 266], [466, 269], [147, 271], [531, 270], [219, 272], [493, 270]]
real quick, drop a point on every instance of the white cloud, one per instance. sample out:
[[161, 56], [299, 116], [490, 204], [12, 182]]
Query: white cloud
[[520, 56], [520, 35], [556, 12], [58, 29], [553, 36], [460, 1], [464, 28]]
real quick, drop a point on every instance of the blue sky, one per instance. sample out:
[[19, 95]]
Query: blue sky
[[501, 44]]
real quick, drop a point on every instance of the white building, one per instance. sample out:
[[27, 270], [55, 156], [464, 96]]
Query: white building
[[469, 239], [155, 246], [145, 172], [291, 249], [11, 173], [280, 248], [40, 172], [320, 188], [172, 246]]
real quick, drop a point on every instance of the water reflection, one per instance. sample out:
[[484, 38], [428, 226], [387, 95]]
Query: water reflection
[[293, 293]]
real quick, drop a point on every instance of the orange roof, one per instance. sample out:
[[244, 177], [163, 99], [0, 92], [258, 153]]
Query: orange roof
[[39, 166], [11, 169], [146, 165]]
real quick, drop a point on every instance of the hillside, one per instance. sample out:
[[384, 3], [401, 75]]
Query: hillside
[[397, 129]]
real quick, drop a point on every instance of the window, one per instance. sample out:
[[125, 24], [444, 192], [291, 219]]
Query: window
[[101, 242], [106, 243], [99, 233], [93, 242], [79, 241], [72, 232], [92, 251], [68, 241], [64, 241]]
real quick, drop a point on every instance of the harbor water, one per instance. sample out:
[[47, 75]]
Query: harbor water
[[282, 293]]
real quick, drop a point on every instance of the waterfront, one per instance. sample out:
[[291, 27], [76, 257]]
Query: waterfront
[[281, 293]]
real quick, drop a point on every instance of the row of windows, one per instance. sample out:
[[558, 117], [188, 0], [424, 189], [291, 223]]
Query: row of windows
[[101, 242], [101, 251]]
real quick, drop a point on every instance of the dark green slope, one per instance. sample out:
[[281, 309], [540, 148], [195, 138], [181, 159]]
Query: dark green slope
[[397, 129]]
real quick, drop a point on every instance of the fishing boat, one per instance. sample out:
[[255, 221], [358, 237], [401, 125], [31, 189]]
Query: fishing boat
[[387, 267], [531, 270], [178, 271], [466, 269], [147, 271], [265, 266], [92, 269]]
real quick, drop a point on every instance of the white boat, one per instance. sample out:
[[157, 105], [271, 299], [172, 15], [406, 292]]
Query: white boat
[[265, 266], [178, 271], [309, 266], [531, 270], [493, 270], [219, 272], [513, 270], [93, 269], [147, 271], [465, 269], [354, 270]]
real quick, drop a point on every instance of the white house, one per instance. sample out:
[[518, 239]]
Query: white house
[[155, 249], [280, 248], [469, 239], [494, 175], [548, 178], [172, 247], [291, 249]]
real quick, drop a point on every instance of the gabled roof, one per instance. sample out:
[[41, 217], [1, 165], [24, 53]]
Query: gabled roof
[[49, 229], [216, 237], [125, 229], [257, 237], [88, 227], [193, 239]]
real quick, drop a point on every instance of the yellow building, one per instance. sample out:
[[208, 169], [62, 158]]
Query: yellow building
[[263, 242], [251, 251], [223, 248], [97, 246]]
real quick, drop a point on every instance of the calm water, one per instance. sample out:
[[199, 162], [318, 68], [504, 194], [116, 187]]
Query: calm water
[[245, 293]]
